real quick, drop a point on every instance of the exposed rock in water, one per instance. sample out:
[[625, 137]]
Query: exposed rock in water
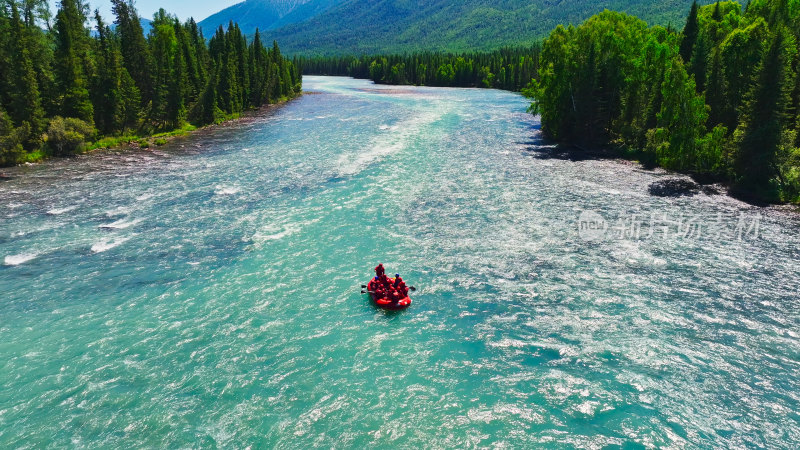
[[711, 190], [674, 187]]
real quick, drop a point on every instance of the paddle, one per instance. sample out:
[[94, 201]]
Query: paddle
[[410, 288]]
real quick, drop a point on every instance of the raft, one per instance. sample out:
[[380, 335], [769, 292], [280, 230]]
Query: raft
[[386, 302]]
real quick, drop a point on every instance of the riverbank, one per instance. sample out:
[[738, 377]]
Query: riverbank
[[135, 141]]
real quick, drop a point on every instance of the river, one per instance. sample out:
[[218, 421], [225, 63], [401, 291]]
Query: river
[[206, 293]]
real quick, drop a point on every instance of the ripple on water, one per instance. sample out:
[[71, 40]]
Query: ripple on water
[[22, 258], [107, 244]]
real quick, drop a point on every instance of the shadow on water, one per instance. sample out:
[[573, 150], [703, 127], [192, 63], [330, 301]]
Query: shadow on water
[[544, 151], [388, 313]]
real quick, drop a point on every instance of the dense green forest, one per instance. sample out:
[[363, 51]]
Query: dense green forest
[[720, 100], [268, 14], [356, 27], [509, 68], [63, 85]]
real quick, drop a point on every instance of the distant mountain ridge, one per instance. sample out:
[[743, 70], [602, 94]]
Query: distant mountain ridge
[[266, 14], [373, 26]]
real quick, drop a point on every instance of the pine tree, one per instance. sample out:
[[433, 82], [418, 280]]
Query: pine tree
[[105, 86], [715, 92], [198, 43], [176, 107], [741, 54], [71, 42], [258, 67], [681, 119], [206, 110], [24, 105], [764, 118], [195, 80], [136, 56], [228, 92], [37, 31], [169, 72], [242, 65], [690, 31], [699, 62], [588, 106], [717, 14], [129, 102]]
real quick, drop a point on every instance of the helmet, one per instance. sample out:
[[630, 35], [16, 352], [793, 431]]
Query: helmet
[[396, 275]]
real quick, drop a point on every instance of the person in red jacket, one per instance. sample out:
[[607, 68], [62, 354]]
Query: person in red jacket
[[394, 295], [379, 270], [402, 289]]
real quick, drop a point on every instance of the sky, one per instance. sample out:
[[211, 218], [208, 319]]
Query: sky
[[199, 9]]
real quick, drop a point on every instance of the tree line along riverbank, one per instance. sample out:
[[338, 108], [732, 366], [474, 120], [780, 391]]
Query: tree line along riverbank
[[66, 88], [719, 99]]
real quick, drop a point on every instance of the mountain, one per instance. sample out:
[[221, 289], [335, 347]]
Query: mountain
[[147, 25], [266, 14], [372, 26]]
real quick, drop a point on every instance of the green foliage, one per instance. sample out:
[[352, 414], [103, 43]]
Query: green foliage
[[690, 31], [72, 61], [763, 132], [11, 140], [120, 81], [136, 57], [67, 136], [681, 121], [108, 107], [507, 68], [722, 99], [129, 101], [593, 74], [358, 27], [23, 91], [110, 142]]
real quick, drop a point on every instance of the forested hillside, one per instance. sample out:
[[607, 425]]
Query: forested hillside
[[64, 85], [267, 14], [394, 26]]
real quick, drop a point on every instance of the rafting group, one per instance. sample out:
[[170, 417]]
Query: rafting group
[[387, 292]]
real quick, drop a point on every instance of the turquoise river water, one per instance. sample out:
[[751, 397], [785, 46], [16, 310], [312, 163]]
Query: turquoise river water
[[206, 293]]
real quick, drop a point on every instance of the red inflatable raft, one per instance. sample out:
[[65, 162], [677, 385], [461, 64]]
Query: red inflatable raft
[[386, 302]]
